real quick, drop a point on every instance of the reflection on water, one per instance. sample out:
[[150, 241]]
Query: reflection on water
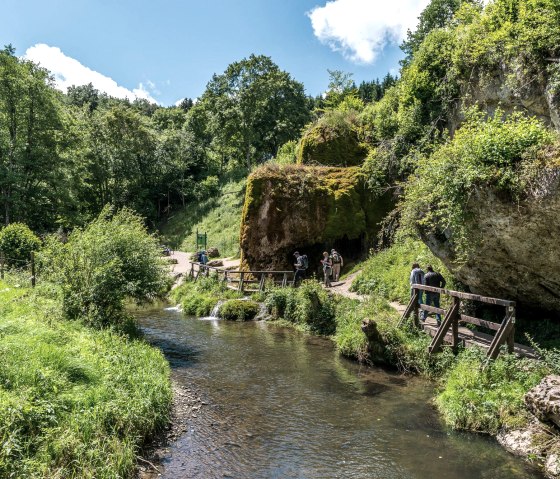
[[284, 405]]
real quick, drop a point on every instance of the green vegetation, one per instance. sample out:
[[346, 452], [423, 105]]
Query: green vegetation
[[219, 216], [498, 153], [198, 298], [310, 307], [386, 272], [17, 242], [239, 310], [74, 402], [112, 260]]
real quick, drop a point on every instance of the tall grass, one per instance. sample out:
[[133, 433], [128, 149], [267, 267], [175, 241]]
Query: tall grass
[[74, 402], [219, 217], [387, 272]]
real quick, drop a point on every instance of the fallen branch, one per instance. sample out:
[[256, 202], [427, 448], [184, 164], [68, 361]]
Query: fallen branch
[[148, 462]]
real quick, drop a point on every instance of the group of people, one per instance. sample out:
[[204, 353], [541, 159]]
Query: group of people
[[431, 278], [331, 264]]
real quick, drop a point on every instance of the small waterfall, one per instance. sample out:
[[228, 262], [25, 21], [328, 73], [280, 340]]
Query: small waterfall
[[215, 311]]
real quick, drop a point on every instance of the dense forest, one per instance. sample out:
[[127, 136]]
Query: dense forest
[[63, 156]]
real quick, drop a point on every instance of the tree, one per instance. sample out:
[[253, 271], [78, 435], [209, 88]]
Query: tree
[[253, 108], [341, 85], [30, 136], [83, 95], [186, 104], [436, 15]]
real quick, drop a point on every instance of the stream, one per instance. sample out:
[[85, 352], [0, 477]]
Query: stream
[[276, 403]]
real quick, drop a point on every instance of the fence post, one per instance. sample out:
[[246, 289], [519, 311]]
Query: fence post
[[261, 284], [1, 265], [241, 280], [32, 269], [455, 326], [284, 280], [416, 307]]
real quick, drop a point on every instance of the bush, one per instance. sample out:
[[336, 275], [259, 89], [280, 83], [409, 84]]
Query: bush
[[309, 306], [112, 259], [198, 298], [239, 310], [17, 242]]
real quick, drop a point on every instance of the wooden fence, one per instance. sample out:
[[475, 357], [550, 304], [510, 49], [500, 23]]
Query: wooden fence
[[503, 332], [243, 281]]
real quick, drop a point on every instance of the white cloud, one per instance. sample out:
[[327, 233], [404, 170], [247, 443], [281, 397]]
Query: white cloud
[[360, 29], [68, 71]]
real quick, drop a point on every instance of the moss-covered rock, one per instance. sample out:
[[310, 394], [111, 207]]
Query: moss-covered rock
[[310, 209], [333, 141]]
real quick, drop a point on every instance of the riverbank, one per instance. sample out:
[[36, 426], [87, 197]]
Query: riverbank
[[75, 402]]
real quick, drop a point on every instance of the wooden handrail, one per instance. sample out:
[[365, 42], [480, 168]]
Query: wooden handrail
[[240, 271], [461, 295]]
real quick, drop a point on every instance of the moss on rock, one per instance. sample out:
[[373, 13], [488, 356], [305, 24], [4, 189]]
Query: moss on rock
[[298, 207], [332, 141]]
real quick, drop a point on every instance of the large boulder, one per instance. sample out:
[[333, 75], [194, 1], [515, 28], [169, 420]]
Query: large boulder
[[310, 209], [517, 253], [544, 400]]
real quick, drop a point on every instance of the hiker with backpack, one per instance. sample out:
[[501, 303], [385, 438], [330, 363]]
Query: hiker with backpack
[[435, 280], [327, 269], [337, 264], [301, 265]]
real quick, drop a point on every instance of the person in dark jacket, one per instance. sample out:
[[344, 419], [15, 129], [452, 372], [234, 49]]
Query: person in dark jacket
[[416, 277], [436, 280]]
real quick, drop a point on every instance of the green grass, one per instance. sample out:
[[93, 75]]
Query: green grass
[[239, 310], [387, 272], [219, 217], [74, 402]]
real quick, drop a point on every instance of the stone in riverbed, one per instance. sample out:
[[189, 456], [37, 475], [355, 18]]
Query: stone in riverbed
[[544, 400]]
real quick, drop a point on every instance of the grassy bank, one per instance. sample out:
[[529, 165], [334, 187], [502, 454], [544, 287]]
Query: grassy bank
[[74, 402], [218, 216], [198, 298]]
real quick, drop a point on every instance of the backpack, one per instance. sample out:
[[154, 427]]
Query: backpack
[[336, 258], [304, 261]]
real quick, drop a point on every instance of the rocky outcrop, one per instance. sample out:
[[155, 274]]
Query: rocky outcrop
[[310, 209], [544, 400], [508, 88], [332, 141], [516, 254]]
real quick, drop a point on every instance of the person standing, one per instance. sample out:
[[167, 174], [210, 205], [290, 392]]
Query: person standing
[[301, 265], [337, 264], [327, 269], [416, 277], [436, 280]]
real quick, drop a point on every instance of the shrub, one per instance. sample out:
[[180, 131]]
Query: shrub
[[239, 310], [17, 242], [198, 298], [112, 259], [309, 306]]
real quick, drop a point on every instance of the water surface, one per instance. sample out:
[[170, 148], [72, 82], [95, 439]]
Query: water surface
[[281, 404]]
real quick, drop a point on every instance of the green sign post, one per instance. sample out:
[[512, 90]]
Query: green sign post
[[201, 241]]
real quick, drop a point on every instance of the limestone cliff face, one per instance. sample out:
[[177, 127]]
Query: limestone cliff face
[[507, 88], [518, 252], [308, 209]]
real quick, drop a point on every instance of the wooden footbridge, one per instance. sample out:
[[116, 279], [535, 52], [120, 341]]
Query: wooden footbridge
[[452, 330], [243, 281]]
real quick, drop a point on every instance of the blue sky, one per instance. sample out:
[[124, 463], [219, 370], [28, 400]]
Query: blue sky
[[168, 49]]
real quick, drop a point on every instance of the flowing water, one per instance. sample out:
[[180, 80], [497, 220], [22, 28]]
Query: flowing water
[[281, 404]]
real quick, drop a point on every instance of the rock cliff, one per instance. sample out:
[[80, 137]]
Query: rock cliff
[[309, 209], [517, 248]]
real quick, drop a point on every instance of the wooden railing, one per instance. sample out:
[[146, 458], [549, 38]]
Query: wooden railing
[[504, 331], [243, 281]]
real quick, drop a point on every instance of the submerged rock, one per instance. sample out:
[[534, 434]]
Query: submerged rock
[[521, 442]]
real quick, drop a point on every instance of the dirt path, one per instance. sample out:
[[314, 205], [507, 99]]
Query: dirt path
[[343, 287], [182, 266]]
